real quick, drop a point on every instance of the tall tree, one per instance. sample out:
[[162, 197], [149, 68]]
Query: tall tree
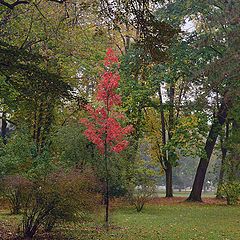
[[222, 73], [214, 36]]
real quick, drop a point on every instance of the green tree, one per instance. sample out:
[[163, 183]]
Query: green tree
[[214, 39]]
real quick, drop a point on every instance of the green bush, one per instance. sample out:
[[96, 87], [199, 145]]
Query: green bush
[[140, 195], [231, 190], [142, 184]]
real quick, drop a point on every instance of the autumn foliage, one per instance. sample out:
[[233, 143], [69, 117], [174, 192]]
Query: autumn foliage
[[103, 126], [103, 123]]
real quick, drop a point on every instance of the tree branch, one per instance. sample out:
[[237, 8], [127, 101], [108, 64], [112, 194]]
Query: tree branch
[[13, 5]]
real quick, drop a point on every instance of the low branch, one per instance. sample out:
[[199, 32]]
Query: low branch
[[13, 5]]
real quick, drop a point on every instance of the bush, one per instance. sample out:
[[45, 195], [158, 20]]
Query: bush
[[231, 190], [140, 195], [15, 189], [60, 197], [142, 181]]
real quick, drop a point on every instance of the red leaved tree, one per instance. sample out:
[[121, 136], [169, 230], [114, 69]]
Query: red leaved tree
[[103, 126]]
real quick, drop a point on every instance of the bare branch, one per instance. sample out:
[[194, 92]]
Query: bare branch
[[13, 5]]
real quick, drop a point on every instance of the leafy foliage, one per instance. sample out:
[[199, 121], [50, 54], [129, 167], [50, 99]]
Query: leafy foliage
[[103, 127], [17, 156], [143, 178], [231, 190]]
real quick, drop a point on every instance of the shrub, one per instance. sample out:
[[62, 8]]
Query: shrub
[[60, 197], [231, 190], [15, 189], [140, 195], [142, 181]]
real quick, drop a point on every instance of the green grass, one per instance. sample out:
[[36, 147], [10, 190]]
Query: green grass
[[5, 216], [183, 222], [175, 222]]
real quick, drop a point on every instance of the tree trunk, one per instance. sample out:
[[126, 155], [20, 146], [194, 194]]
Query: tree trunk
[[4, 128], [169, 189], [39, 127], [168, 166], [107, 182], [196, 192], [107, 204]]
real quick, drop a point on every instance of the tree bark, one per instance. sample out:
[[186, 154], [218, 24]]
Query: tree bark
[[4, 128], [168, 166], [107, 204], [169, 189], [196, 192], [107, 173], [107, 185], [39, 128]]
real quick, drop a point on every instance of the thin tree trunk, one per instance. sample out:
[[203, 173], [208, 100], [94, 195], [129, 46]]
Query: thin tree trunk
[[39, 128], [4, 128], [196, 192], [35, 121], [107, 173], [169, 189], [168, 167], [107, 203], [107, 187]]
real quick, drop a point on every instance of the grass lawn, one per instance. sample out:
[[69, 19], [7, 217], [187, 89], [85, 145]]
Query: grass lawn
[[168, 221], [182, 221]]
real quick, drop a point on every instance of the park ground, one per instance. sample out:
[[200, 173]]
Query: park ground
[[161, 219]]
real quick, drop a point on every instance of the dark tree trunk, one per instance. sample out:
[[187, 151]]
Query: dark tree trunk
[[196, 192], [169, 189], [39, 128], [166, 163], [4, 128], [35, 121], [107, 204], [106, 181]]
